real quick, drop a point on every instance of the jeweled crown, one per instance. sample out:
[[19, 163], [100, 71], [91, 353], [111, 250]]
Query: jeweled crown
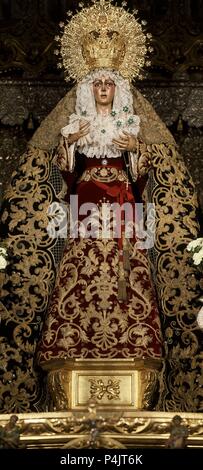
[[103, 36]]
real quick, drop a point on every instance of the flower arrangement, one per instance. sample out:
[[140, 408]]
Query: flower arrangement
[[200, 318], [3, 258], [196, 248]]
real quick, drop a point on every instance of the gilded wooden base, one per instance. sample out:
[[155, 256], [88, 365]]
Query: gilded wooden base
[[111, 384], [135, 429]]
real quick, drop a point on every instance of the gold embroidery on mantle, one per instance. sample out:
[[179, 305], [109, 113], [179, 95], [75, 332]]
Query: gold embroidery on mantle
[[31, 278]]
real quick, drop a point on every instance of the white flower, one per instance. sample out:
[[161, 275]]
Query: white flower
[[198, 243], [196, 247], [3, 251], [3, 262], [198, 257], [200, 318], [3, 256]]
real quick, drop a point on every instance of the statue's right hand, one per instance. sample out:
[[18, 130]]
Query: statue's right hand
[[84, 128]]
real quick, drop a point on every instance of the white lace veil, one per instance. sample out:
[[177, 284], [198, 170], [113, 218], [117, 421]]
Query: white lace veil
[[85, 101], [103, 129]]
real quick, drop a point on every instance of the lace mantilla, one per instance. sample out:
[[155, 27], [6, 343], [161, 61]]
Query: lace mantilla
[[103, 129]]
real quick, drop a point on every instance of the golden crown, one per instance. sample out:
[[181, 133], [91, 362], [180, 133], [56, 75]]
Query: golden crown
[[103, 36]]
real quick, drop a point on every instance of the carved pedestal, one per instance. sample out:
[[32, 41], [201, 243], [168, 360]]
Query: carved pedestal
[[112, 384]]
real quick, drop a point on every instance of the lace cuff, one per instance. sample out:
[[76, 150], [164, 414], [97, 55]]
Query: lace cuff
[[140, 160]]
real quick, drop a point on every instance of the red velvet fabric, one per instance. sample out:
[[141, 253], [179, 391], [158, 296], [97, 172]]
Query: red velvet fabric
[[85, 317]]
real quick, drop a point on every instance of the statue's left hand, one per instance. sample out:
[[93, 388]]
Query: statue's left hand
[[126, 143]]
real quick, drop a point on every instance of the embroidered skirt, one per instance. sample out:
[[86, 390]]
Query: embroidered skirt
[[103, 304]]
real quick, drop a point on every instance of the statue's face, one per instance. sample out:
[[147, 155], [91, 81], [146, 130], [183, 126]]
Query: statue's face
[[104, 89]]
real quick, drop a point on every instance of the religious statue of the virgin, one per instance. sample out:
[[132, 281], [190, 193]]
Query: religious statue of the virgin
[[98, 215]]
